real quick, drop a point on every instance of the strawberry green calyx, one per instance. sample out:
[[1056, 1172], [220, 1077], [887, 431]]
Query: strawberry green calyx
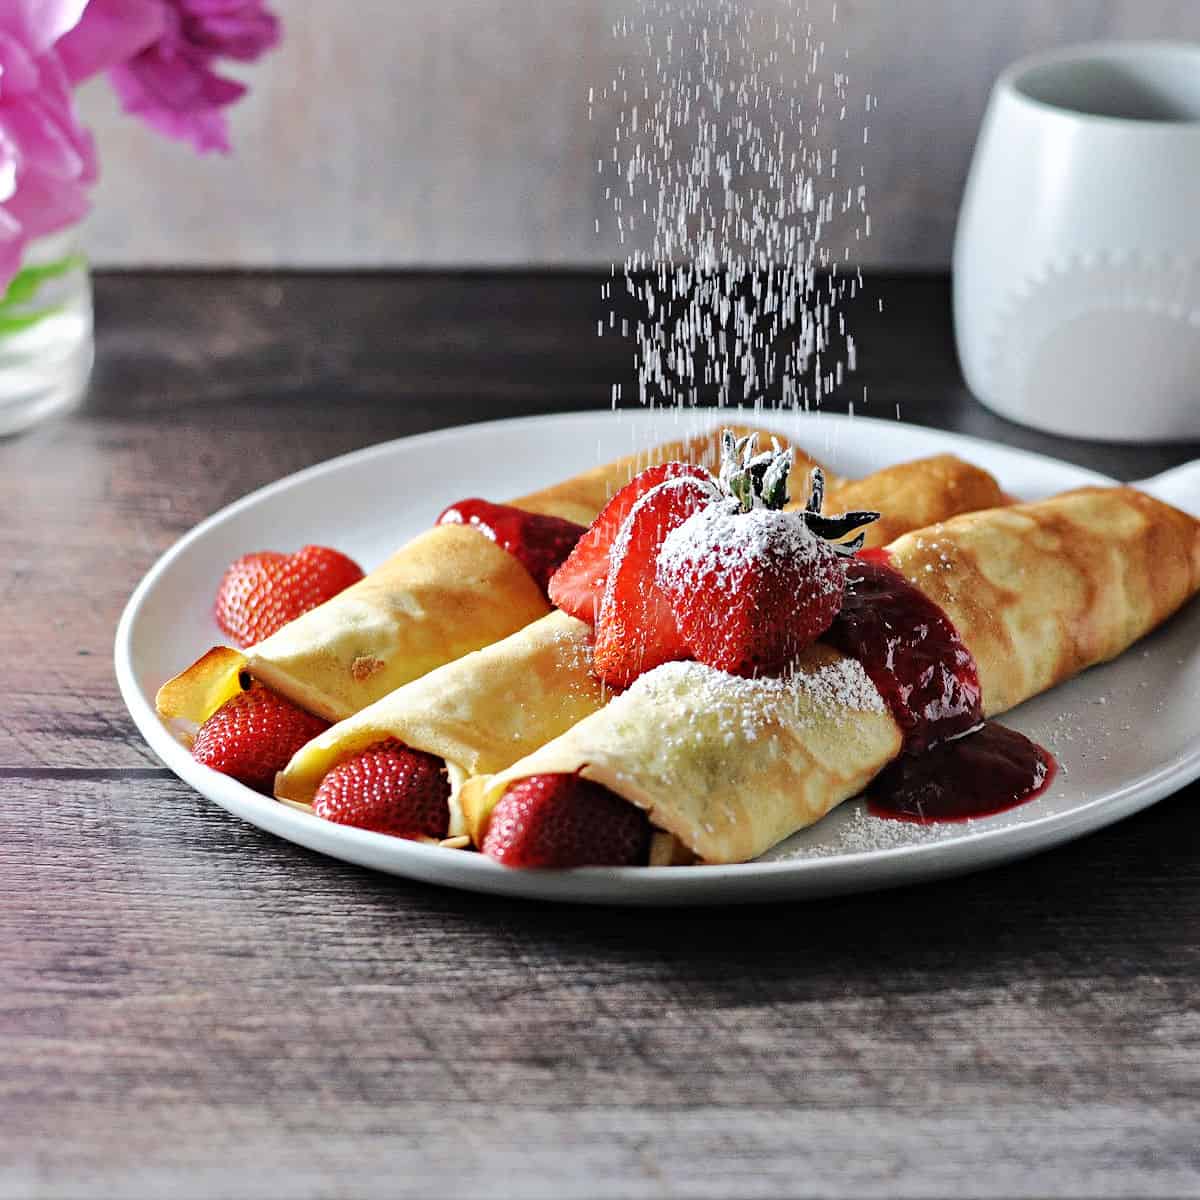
[[832, 528], [760, 480], [755, 480]]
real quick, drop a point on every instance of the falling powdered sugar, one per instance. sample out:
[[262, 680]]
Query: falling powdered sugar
[[738, 188]]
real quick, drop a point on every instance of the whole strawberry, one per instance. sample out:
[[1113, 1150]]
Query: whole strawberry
[[749, 584], [565, 821], [388, 788], [254, 735], [262, 592]]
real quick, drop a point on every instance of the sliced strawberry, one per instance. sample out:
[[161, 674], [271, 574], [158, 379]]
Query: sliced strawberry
[[262, 592], [576, 587], [389, 788], [635, 628], [565, 821], [254, 735]]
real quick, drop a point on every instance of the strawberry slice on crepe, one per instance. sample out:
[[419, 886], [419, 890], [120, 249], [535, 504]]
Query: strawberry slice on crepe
[[253, 736], [636, 629], [578, 585]]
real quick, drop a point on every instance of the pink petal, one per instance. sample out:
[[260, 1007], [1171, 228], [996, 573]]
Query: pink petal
[[245, 33], [206, 130], [45, 203], [43, 142], [46, 123], [179, 98], [40, 23], [18, 70], [181, 81], [8, 167], [110, 32], [12, 250], [10, 227]]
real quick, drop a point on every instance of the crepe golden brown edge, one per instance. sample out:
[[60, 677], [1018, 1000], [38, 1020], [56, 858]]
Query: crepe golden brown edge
[[1038, 592], [446, 593], [488, 709]]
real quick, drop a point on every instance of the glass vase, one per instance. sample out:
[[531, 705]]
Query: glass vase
[[46, 346]]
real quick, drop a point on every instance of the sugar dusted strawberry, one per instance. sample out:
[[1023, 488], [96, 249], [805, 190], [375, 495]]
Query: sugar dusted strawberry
[[565, 821], [389, 788], [262, 592], [577, 586], [636, 629], [254, 735], [749, 590], [749, 584]]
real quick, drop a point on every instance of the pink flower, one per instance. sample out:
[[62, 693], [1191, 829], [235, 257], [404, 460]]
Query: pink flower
[[47, 158], [159, 55], [171, 83]]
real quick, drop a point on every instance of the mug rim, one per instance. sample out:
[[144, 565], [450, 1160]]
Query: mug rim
[[1010, 79]]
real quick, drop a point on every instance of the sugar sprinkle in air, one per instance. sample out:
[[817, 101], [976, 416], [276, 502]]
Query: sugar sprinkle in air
[[739, 209]]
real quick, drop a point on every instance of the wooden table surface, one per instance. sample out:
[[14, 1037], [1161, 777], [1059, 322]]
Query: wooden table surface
[[189, 1007]]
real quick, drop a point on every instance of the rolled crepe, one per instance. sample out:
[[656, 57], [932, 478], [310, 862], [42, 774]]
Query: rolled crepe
[[915, 494], [486, 710], [449, 591], [730, 767], [581, 497], [479, 713]]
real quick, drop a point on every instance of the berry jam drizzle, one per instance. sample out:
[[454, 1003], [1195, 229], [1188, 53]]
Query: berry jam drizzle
[[540, 543], [954, 765], [912, 653], [991, 769]]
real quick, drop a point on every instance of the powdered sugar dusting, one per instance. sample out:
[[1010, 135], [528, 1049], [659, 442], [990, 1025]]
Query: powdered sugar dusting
[[574, 651], [720, 543], [741, 708], [853, 830], [839, 685]]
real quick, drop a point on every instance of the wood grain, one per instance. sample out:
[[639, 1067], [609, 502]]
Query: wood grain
[[191, 1007], [204, 1008]]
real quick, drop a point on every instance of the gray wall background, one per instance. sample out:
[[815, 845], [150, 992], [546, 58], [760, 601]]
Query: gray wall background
[[456, 132]]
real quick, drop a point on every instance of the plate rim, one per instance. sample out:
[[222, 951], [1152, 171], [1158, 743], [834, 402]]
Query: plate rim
[[807, 877]]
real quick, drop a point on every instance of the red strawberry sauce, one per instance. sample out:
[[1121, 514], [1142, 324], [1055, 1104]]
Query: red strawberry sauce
[[955, 764], [987, 771], [912, 653], [540, 543]]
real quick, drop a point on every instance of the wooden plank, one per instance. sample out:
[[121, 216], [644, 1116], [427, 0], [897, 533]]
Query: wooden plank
[[189, 1002], [312, 1145]]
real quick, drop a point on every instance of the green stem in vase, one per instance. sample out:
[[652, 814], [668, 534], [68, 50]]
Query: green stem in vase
[[24, 288]]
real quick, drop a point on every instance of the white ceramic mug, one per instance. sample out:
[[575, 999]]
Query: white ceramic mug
[[1077, 256]]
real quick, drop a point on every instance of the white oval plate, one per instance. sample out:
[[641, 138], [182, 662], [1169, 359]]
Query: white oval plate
[[1125, 734]]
